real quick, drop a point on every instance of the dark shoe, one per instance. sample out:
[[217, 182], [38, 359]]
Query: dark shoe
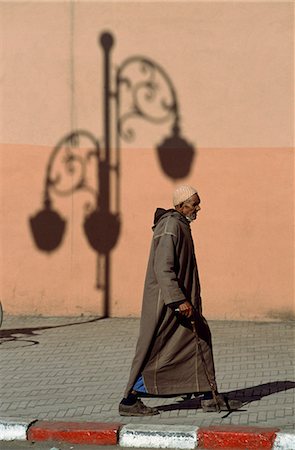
[[137, 409], [224, 404]]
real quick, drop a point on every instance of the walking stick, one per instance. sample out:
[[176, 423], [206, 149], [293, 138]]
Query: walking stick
[[212, 384]]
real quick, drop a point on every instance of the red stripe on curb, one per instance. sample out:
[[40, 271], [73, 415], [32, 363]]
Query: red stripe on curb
[[75, 432], [232, 436]]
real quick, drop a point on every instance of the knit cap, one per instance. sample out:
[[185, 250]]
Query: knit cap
[[182, 193]]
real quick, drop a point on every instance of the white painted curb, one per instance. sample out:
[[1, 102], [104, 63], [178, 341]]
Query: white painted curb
[[13, 430], [159, 436], [284, 441]]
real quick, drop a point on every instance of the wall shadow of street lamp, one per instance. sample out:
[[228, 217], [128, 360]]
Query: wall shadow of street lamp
[[146, 88], [47, 228], [102, 229], [175, 155]]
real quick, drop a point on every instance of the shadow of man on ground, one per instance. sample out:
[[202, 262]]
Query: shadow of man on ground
[[246, 395]]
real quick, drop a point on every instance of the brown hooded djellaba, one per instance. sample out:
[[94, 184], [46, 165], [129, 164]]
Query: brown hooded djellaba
[[167, 354]]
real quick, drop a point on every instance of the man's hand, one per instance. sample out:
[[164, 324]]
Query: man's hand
[[186, 309]]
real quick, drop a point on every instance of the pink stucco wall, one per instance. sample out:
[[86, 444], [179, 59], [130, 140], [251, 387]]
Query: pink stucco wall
[[232, 67]]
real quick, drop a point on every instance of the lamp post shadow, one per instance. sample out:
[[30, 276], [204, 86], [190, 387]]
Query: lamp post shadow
[[141, 80]]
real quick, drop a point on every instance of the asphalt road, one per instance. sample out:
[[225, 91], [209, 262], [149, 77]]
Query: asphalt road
[[18, 445], [25, 445]]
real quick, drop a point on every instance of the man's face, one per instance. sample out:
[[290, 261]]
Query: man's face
[[191, 207]]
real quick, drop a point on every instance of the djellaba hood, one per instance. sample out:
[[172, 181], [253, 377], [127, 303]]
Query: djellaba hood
[[160, 213]]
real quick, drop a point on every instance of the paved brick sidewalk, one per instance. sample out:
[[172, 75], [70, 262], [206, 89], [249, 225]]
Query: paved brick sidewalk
[[76, 369]]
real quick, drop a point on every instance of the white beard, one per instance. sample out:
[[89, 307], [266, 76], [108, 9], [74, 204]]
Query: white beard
[[190, 219]]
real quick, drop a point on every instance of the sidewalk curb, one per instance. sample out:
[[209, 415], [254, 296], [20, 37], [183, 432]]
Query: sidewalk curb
[[75, 432], [159, 436], [229, 436], [149, 436], [14, 429]]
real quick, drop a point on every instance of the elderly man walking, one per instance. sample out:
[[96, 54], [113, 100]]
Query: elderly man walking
[[174, 350]]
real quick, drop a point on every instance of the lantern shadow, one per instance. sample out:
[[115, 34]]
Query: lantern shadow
[[48, 229], [102, 229], [176, 155]]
